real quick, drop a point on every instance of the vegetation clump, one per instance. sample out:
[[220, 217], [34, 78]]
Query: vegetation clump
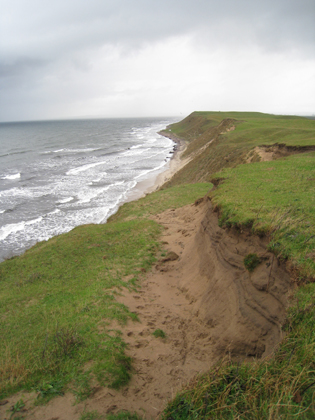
[[251, 261], [158, 333]]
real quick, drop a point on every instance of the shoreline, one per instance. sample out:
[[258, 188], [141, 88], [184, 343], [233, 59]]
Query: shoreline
[[142, 188], [154, 183]]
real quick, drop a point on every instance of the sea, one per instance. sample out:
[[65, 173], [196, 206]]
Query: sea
[[56, 175]]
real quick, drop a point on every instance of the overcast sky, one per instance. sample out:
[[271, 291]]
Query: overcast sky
[[126, 58]]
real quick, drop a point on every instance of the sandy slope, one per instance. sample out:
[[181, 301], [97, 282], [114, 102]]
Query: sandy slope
[[207, 304]]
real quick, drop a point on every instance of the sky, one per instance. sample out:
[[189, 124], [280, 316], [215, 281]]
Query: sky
[[140, 58]]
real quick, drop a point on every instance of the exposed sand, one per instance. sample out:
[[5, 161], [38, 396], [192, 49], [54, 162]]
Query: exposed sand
[[155, 182], [207, 304]]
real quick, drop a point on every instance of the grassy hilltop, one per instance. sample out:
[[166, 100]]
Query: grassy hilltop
[[227, 139], [58, 300], [273, 198]]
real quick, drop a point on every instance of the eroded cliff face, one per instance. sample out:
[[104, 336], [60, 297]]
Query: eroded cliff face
[[244, 310]]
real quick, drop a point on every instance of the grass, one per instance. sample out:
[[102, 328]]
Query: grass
[[17, 407], [251, 261], [91, 415], [232, 148], [159, 333], [160, 201], [275, 199], [59, 298], [123, 415], [56, 304]]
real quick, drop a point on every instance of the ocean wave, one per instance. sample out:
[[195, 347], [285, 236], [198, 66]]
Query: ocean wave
[[18, 152], [53, 212], [65, 150], [75, 189], [86, 197], [114, 207], [11, 177], [21, 193], [149, 157], [79, 169], [86, 150], [6, 230], [135, 152], [65, 200], [150, 170]]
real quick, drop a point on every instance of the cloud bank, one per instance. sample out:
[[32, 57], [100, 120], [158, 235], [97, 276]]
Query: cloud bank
[[147, 58]]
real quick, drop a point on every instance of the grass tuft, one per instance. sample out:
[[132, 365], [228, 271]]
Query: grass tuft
[[159, 333], [251, 261]]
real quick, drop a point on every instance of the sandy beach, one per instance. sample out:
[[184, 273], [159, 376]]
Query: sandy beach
[[154, 183]]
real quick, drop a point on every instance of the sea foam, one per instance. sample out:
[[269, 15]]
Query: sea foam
[[13, 176]]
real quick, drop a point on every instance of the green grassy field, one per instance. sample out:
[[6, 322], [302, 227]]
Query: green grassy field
[[232, 148]]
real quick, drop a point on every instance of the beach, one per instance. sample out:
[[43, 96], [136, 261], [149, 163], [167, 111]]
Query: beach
[[173, 165]]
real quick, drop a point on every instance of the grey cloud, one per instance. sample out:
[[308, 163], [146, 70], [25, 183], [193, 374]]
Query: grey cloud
[[54, 28], [44, 41], [20, 65]]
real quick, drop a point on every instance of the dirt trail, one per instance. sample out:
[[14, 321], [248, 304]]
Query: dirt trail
[[206, 303]]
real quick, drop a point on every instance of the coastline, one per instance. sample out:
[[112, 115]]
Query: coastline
[[154, 183]]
